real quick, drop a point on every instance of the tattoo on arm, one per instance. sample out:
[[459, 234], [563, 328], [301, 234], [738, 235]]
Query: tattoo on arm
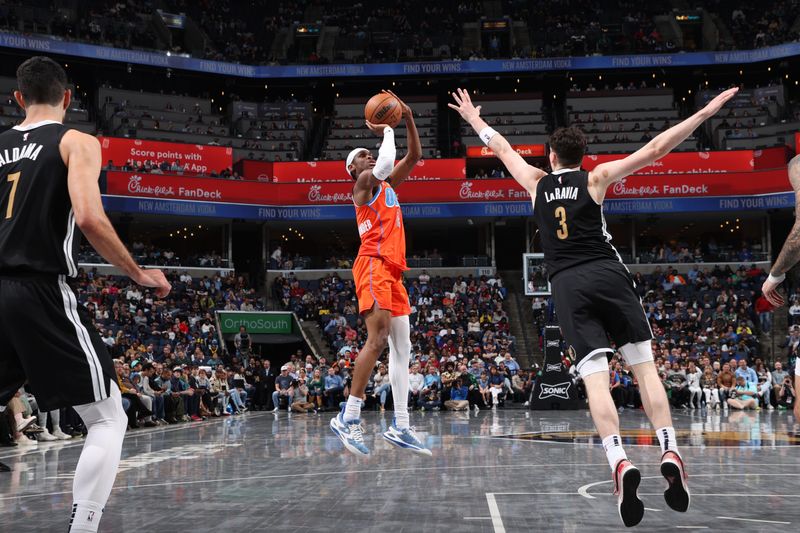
[[790, 253]]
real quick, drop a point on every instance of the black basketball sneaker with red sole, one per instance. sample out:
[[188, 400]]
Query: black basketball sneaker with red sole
[[626, 487], [677, 494]]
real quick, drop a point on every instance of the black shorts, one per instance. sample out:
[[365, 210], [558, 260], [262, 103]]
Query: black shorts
[[595, 301], [48, 343]]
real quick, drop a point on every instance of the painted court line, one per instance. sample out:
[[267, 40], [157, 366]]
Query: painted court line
[[753, 520], [494, 511], [649, 509]]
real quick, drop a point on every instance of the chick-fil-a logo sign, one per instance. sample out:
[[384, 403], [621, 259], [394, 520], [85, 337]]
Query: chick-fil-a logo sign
[[315, 195], [466, 193], [135, 186]]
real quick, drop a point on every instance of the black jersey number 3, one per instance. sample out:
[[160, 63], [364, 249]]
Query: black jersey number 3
[[13, 179], [561, 214]]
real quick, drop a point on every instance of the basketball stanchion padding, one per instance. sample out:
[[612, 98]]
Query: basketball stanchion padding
[[556, 388]]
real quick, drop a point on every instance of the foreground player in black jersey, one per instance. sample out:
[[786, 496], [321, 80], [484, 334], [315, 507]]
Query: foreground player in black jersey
[[787, 259], [594, 293], [48, 185]]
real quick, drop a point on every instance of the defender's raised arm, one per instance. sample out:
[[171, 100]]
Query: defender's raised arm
[[607, 173], [526, 175]]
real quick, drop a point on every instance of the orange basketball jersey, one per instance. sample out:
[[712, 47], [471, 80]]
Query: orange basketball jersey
[[380, 226]]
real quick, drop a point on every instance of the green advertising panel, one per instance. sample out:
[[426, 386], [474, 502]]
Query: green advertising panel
[[230, 321]]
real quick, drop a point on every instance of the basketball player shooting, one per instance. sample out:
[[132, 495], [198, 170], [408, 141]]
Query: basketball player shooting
[[789, 256], [378, 276], [594, 294], [47, 187]]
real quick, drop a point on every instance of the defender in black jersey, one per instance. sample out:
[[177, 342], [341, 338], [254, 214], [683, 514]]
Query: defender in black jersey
[[49, 195], [594, 294]]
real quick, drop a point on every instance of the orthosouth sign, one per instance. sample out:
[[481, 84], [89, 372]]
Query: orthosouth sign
[[51, 45], [255, 323]]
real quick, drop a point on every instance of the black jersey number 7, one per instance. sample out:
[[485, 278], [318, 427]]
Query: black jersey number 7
[[13, 179], [563, 231]]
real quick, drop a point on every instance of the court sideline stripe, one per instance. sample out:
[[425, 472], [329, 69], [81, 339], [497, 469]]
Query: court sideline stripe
[[494, 512]]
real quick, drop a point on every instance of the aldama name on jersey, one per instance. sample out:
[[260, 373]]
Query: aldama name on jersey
[[29, 151], [562, 193]]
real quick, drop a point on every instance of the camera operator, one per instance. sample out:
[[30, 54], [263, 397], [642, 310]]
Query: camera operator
[[786, 395]]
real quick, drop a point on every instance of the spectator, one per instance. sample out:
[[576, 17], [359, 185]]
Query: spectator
[[416, 382], [746, 372], [334, 386], [382, 386], [693, 377], [284, 387], [778, 376], [316, 388], [300, 402], [786, 395], [726, 383], [708, 382], [496, 385], [458, 396], [745, 395]]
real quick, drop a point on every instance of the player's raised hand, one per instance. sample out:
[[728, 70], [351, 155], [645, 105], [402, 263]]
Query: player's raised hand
[[377, 129], [154, 278], [716, 104], [464, 105], [406, 110], [770, 290]]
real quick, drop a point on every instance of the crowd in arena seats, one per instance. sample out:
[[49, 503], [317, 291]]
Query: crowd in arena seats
[[706, 323], [155, 256], [398, 31], [460, 334], [757, 26], [708, 251], [169, 363]]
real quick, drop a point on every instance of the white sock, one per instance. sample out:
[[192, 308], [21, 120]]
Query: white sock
[[352, 410], [666, 438], [399, 356], [85, 517], [614, 450], [99, 460]]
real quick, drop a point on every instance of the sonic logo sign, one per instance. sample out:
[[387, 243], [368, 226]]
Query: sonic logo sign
[[553, 367], [558, 390]]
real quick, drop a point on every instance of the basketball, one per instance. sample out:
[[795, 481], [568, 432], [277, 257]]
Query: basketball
[[383, 108]]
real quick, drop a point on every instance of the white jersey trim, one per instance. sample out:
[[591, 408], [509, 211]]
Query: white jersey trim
[[72, 270], [95, 369], [28, 127]]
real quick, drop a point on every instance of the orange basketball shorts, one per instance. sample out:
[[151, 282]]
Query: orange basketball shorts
[[378, 281]]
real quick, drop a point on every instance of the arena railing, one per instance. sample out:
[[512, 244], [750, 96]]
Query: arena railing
[[110, 270]]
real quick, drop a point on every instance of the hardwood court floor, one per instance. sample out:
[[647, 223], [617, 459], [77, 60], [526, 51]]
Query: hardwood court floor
[[497, 471]]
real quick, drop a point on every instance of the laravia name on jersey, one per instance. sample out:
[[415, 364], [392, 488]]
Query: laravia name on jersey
[[562, 193], [29, 151]]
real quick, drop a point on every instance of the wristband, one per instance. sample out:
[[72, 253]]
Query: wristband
[[776, 279], [486, 134]]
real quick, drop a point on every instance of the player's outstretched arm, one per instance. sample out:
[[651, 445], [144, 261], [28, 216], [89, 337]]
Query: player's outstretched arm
[[790, 253], [403, 169], [605, 174], [81, 153], [526, 175]]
